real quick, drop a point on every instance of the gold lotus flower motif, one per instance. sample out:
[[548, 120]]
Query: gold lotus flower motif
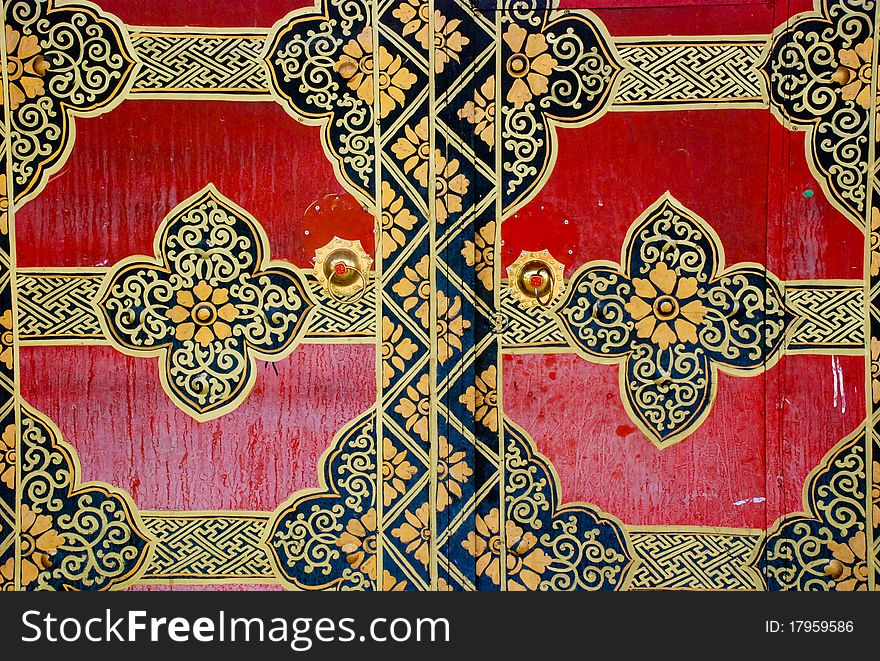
[[849, 568], [481, 112], [395, 219], [25, 68], [480, 253], [202, 313], [39, 541], [415, 532], [6, 339], [481, 399], [450, 326], [529, 65], [7, 457], [450, 186], [855, 72], [414, 407], [391, 584], [414, 15], [443, 585], [357, 66], [448, 41], [664, 307], [525, 563], [396, 471], [359, 543], [414, 150], [452, 472], [396, 350], [415, 289]]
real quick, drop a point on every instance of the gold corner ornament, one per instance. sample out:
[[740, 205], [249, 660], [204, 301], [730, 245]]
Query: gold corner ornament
[[342, 267], [536, 278]]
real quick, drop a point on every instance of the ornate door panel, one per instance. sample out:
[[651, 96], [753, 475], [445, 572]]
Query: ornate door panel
[[407, 295]]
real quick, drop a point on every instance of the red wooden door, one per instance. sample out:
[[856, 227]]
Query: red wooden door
[[439, 295]]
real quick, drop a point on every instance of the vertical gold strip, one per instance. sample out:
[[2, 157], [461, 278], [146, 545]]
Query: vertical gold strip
[[380, 282], [7, 123], [872, 414], [433, 430], [496, 280]]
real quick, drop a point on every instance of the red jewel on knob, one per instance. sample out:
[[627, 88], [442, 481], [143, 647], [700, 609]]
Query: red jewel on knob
[[340, 268], [536, 281]]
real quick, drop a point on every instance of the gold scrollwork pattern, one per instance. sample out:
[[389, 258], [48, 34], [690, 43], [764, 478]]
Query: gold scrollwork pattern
[[818, 74], [824, 547], [326, 539], [672, 315], [209, 304], [74, 536], [321, 71], [556, 69], [576, 546], [63, 62]]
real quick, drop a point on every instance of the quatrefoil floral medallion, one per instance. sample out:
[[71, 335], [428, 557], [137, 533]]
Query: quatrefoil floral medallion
[[672, 315], [210, 303], [63, 60]]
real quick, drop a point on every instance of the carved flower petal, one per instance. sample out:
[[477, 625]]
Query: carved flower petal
[[544, 64], [33, 87], [663, 336], [537, 561], [185, 298], [685, 330], [535, 45], [848, 58], [538, 83], [645, 327], [864, 97], [514, 37], [637, 308], [694, 311], [687, 287], [202, 290], [41, 524], [29, 46], [865, 50], [663, 277], [204, 336], [644, 288], [177, 314], [842, 552], [859, 545], [220, 296], [222, 330], [29, 572], [185, 331], [519, 93], [228, 312], [49, 541], [12, 37], [852, 90]]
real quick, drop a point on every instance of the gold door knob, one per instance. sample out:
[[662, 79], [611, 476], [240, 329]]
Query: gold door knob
[[342, 268], [535, 279]]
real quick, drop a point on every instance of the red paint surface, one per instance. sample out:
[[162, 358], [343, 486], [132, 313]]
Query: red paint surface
[[746, 175], [130, 167], [712, 477], [740, 170], [241, 13], [715, 162], [127, 432]]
